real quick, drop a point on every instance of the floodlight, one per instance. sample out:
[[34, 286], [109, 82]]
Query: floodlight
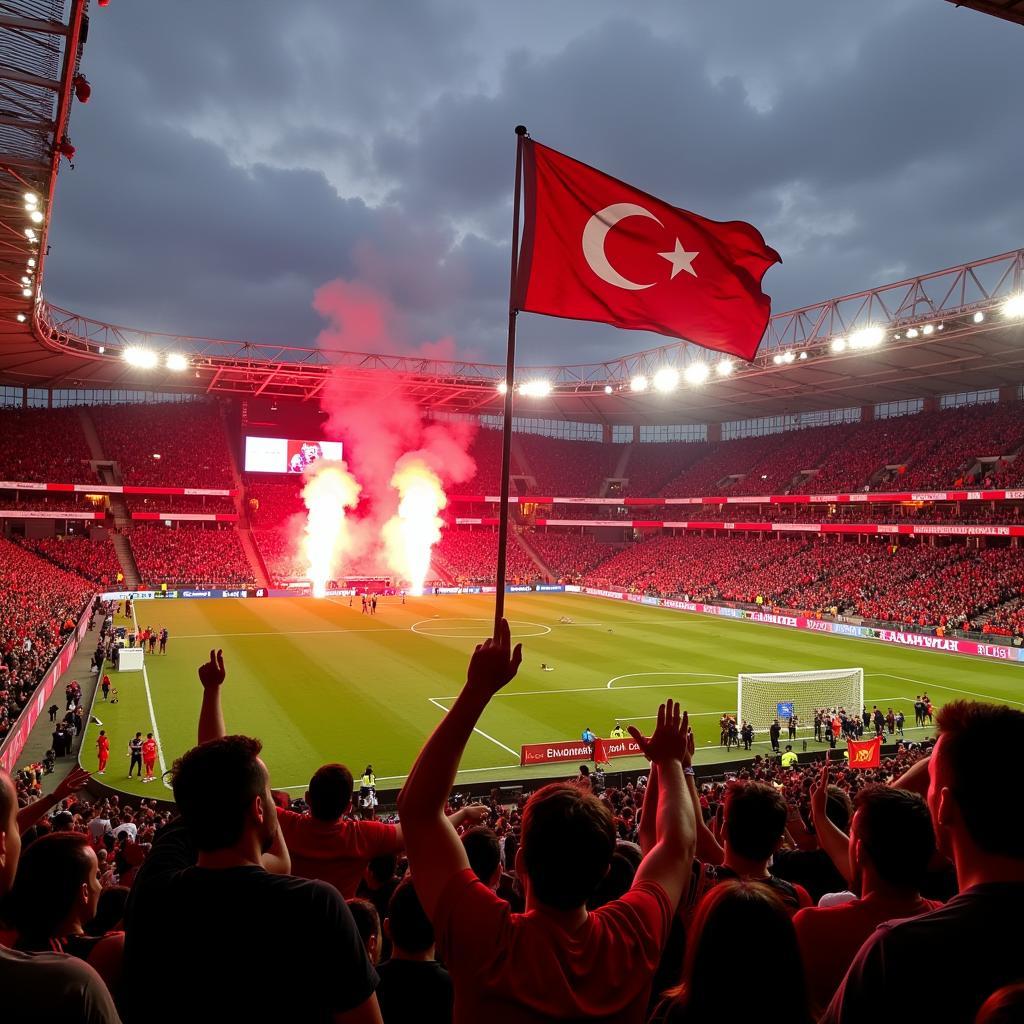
[[927, 329], [141, 358], [607, 389], [1014, 307], [27, 292], [666, 379], [535, 388], [638, 383], [724, 367], [36, 217], [22, 318], [502, 387], [788, 357], [867, 337], [803, 355], [696, 373], [176, 361], [31, 198], [838, 344], [913, 332], [979, 317]]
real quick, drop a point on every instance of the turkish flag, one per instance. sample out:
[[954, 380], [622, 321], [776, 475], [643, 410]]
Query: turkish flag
[[865, 753], [595, 248]]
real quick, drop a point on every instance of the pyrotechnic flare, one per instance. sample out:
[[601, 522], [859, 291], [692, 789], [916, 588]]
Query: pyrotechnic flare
[[411, 534], [330, 490]]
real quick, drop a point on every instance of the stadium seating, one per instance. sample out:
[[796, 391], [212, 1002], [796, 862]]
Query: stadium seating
[[568, 555], [93, 559], [39, 605], [189, 439], [471, 556], [190, 554], [43, 445], [572, 468]]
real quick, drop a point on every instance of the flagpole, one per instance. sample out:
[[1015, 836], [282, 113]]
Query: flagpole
[[510, 366]]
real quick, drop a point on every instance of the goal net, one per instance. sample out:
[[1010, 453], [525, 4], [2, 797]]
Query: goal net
[[764, 697]]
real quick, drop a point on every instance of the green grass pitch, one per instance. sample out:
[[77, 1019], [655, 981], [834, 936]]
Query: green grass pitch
[[318, 681]]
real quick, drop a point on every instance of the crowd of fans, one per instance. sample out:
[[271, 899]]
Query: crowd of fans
[[916, 584], [43, 446], [190, 553], [39, 606], [94, 559], [568, 467], [568, 555], [817, 891], [176, 445], [470, 556]]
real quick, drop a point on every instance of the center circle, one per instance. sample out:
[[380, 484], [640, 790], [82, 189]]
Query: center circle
[[463, 629]]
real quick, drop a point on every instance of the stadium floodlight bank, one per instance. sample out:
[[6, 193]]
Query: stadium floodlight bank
[[763, 697]]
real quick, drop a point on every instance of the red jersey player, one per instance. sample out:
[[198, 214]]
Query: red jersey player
[[149, 756], [102, 751]]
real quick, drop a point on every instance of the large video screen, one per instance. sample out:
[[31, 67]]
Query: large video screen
[[287, 455]]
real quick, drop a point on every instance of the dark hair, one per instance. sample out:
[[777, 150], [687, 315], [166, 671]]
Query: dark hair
[[896, 829], [483, 851], [981, 744], [109, 910], [214, 786], [616, 883], [383, 867], [568, 838], [50, 876], [408, 924], [330, 792], [1005, 1006], [729, 909], [367, 920], [755, 818], [838, 808]]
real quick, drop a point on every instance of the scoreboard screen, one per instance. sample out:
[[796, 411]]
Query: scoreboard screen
[[287, 455]]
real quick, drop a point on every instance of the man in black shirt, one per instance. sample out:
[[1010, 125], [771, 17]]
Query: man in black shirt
[[774, 732], [215, 921], [971, 946], [413, 985]]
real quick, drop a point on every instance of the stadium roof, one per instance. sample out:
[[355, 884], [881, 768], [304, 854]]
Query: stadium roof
[[1010, 10], [39, 53], [925, 336]]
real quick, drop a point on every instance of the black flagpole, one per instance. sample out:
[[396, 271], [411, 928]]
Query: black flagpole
[[510, 366]]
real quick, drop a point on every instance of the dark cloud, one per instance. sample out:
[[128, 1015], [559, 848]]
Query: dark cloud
[[228, 166]]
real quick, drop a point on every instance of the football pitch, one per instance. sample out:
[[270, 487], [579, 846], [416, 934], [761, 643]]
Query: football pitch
[[318, 681]]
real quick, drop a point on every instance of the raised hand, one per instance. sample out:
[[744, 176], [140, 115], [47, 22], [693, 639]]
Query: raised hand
[[819, 792], [211, 673], [494, 663], [73, 781], [471, 814], [671, 739]]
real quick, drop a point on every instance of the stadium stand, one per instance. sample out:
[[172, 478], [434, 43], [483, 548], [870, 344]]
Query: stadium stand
[[43, 445], [471, 555], [568, 555], [94, 560], [191, 554], [189, 439], [569, 467]]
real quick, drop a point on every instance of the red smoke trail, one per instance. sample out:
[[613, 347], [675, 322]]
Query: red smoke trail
[[402, 462]]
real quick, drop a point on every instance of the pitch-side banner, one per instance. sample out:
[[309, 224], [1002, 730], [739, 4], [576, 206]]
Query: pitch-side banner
[[575, 750]]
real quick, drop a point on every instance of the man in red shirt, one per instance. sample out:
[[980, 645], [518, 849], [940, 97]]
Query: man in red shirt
[[326, 844], [557, 961], [102, 751], [890, 845], [149, 756]]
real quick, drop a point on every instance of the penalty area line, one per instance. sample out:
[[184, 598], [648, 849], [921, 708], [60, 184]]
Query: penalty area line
[[479, 732]]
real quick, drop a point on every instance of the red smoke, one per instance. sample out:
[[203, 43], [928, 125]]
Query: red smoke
[[374, 420]]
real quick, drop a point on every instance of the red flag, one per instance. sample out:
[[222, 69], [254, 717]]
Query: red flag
[[865, 753], [601, 752], [595, 248]]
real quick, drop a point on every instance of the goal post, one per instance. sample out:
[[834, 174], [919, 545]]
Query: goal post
[[763, 697]]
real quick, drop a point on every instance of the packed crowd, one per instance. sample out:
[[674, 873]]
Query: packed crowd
[[94, 559], [568, 467], [469, 556], [860, 888], [568, 555], [44, 446], [190, 553], [919, 584], [178, 445], [281, 556], [39, 606]]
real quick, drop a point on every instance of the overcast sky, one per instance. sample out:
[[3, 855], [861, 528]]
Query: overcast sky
[[235, 158]]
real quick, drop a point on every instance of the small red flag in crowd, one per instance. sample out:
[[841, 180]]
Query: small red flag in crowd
[[595, 248], [865, 753]]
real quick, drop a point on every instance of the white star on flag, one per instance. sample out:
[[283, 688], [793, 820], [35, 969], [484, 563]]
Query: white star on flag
[[680, 259]]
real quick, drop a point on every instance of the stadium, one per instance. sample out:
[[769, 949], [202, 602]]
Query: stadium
[[821, 542]]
